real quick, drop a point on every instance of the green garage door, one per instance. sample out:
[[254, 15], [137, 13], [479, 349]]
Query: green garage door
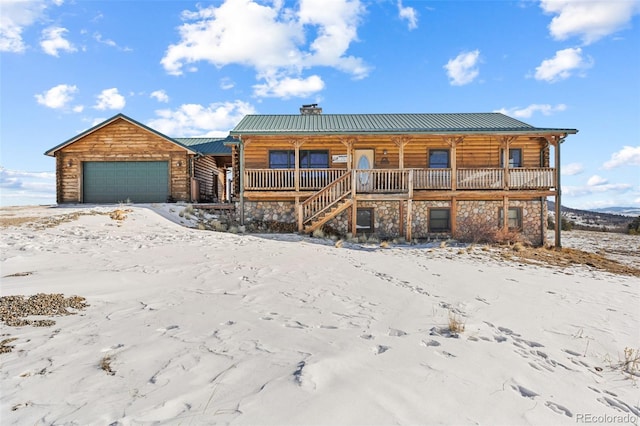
[[121, 181]]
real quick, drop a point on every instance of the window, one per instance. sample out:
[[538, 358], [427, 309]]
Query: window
[[364, 221], [514, 221], [439, 220], [314, 159], [282, 160], [308, 159], [438, 158], [515, 158]]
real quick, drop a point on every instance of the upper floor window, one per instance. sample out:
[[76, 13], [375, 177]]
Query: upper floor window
[[282, 160], [439, 159], [309, 159], [515, 157]]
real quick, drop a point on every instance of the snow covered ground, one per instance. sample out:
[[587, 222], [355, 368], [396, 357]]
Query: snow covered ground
[[198, 327]]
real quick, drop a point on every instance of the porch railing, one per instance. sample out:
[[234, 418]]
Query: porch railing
[[285, 179], [486, 178], [380, 181], [269, 179], [532, 178], [432, 178], [398, 180], [327, 197]]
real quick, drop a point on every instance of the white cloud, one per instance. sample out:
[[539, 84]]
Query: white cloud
[[226, 83], [627, 156], [160, 96], [53, 41], [590, 20], [22, 187], [596, 180], [107, 41], [408, 13], [110, 99], [562, 65], [596, 185], [288, 87], [528, 111], [270, 38], [463, 69], [572, 169], [192, 120], [15, 16], [57, 97]]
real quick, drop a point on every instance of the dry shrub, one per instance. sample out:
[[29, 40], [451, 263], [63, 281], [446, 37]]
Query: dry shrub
[[105, 365], [5, 347], [507, 236], [456, 325], [119, 214], [631, 362]]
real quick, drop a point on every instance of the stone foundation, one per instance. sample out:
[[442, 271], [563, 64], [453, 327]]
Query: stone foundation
[[475, 219], [268, 211]]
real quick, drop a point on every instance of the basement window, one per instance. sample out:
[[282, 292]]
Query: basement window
[[439, 220], [514, 221], [364, 221]]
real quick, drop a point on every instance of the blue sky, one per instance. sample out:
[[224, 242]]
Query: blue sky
[[191, 68]]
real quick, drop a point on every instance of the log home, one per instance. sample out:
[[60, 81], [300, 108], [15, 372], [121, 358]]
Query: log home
[[411, 175]]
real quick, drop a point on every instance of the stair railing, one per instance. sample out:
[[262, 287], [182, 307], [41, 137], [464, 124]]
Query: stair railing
[[324, 199]]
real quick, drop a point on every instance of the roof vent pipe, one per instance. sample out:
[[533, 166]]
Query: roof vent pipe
[[310, 109]]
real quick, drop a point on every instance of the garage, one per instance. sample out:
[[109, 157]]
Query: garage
[[125, 181]]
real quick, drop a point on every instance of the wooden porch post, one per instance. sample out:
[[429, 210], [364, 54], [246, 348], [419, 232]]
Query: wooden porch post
[[454, 216], [505, 213], [409, 219], [296, 176], [401, 142], [241, 178], [558, 213], [453, 143], [354, 207], [505, 143], [300, 214], [348, 143]]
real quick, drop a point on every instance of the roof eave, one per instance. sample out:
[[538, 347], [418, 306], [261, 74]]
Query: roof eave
[[529, 132]]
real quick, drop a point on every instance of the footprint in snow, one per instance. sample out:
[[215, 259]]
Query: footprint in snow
[[557, 408], [380, 349]]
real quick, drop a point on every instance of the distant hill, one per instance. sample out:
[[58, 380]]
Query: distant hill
[[625, 211], [597, 219]]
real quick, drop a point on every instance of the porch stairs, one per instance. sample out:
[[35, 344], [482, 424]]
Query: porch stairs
[[325, 204]]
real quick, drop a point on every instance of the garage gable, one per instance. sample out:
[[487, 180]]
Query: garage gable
[[121, 133]]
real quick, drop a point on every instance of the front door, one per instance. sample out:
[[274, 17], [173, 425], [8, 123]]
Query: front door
[[363, 160]]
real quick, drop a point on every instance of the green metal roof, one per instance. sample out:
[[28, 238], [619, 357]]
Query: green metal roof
[[208, 146], [386, 123]]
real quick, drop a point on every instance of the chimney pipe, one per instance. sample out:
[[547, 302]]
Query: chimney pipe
[[310, 109]]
